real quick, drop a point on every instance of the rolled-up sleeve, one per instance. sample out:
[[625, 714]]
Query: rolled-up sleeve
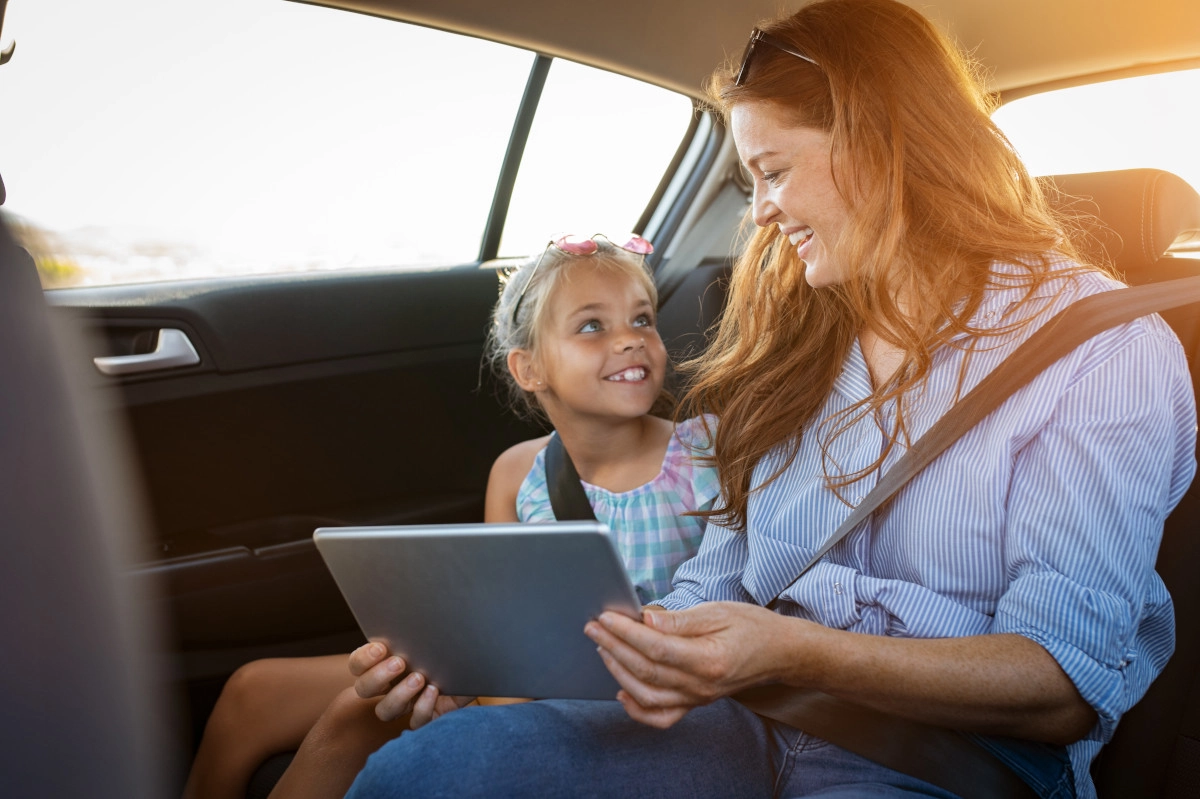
[[1087, 502]]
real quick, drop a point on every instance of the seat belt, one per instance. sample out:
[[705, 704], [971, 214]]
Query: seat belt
[[568, 500], [939, 755]]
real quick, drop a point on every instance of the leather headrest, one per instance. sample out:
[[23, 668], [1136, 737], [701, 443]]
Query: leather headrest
[[1131, 215]]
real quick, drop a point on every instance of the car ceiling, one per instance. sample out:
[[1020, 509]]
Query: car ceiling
[[1027, 45]]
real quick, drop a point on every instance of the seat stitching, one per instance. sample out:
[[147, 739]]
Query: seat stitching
[[1148, 187]]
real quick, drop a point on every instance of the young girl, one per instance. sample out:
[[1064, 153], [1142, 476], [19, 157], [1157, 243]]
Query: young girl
[[573, 337]]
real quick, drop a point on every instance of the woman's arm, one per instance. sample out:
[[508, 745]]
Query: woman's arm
[[997, 684]]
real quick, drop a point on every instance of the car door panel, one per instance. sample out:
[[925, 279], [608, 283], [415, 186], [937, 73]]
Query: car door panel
[[319, 400]]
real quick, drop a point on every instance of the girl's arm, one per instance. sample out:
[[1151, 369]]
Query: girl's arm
[[377, 671]]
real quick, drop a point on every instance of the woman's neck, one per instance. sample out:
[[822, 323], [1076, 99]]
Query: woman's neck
[[616, 456]]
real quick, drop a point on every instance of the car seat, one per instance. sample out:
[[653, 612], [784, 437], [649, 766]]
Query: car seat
[[1156, 749], [84, 709]]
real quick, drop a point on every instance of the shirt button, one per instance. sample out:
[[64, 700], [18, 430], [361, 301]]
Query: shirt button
[[837, 588], [989, 314]]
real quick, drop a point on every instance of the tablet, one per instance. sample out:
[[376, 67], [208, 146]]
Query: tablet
[[486, 609]]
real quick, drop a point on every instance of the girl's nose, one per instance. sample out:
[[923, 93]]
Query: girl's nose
[[630, 342]]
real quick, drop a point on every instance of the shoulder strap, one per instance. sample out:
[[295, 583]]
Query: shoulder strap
[[1065, 331], [567, 497]]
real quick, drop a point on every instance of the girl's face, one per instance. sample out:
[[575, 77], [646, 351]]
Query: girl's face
[[599, 353], [793, 185]]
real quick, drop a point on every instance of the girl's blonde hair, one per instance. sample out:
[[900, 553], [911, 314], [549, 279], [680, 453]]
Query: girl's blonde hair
[[526, 295], [936, 195]]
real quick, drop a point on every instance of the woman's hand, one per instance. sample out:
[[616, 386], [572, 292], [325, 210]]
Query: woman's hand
[[378, 673], [677, 660]]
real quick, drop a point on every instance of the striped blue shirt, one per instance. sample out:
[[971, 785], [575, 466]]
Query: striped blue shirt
[[1044, 520]]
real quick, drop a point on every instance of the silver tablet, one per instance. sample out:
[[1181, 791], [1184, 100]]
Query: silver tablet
[[486, 609]]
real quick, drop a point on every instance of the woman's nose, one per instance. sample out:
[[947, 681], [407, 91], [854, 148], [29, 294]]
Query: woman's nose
[[763, 209]]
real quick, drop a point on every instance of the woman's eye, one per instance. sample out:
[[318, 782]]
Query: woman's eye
[[771, 178], [590, 326]]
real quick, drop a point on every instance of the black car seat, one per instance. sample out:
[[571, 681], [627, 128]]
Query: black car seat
[[83, 706], [1156, 749]]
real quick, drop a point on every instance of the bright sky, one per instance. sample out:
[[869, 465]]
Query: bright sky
[[228, 136]]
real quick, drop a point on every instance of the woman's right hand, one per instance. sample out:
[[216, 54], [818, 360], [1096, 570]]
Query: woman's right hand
[[377, 674]]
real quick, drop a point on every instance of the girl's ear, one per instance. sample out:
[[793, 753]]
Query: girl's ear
[[525, 370]]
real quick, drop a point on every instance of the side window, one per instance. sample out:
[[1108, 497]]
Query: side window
[[597, 150], [215, 138], [1120, 124]]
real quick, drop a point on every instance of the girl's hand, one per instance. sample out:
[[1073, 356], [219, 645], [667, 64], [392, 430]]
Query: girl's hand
[[675, 661], [378, 674]]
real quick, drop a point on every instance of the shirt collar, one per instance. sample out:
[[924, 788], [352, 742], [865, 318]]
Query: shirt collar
[[1008, 287]]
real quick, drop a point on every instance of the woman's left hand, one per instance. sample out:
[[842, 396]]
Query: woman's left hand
[[677, 660]]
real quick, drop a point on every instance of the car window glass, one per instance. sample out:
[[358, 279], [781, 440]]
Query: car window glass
[[597, 150], [226, 137], [1148, 121]]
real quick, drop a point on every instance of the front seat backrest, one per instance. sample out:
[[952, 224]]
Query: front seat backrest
[[1131, 217], [83, 712]]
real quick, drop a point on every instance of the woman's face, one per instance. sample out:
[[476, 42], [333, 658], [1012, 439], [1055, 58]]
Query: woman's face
[[793, 185]]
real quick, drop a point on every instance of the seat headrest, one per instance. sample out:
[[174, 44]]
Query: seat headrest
[[1130, 215]]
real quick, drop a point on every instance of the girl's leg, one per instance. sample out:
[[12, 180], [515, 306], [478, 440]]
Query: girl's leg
[[336, 748], [266, 707], [338, 745]]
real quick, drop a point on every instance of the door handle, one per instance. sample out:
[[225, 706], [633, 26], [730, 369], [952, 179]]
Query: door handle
[[174, 350]]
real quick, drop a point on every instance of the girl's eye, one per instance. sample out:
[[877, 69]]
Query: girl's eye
[[771, 178], [643, 321], [590, 326]]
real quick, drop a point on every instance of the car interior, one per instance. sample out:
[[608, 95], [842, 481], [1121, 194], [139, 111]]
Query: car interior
[[173, 444]]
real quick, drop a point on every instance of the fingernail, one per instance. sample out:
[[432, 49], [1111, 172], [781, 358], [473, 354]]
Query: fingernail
[[414, 680], [394, 665], [377, 650]]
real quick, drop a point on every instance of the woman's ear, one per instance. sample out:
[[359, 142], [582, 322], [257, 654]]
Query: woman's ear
[[525, 370]]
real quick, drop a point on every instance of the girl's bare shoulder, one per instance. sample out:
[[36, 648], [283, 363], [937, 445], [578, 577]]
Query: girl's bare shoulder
[[504, 482], [515, 462]]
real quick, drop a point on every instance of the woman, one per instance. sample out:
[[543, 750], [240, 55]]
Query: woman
[[1007, 591]]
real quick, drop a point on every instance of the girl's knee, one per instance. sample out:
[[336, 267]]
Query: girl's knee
[[248, 684], [349, 711]]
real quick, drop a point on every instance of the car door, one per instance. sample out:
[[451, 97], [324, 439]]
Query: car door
[[263, 403]]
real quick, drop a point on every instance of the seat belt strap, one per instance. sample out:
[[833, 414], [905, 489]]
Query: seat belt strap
[[568, 499], [1075, 324]]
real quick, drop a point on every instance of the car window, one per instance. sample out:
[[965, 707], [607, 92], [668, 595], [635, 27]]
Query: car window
[[229, 137], [1147, 121], [596, 154]]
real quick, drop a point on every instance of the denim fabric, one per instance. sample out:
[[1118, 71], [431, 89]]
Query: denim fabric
[[567, 748]]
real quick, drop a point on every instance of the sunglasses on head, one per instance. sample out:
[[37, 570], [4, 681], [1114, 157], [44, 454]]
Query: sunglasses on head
[[572, 244], [761, 36]]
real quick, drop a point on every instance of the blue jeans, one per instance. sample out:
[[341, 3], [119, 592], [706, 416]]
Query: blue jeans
[[565, 748]]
